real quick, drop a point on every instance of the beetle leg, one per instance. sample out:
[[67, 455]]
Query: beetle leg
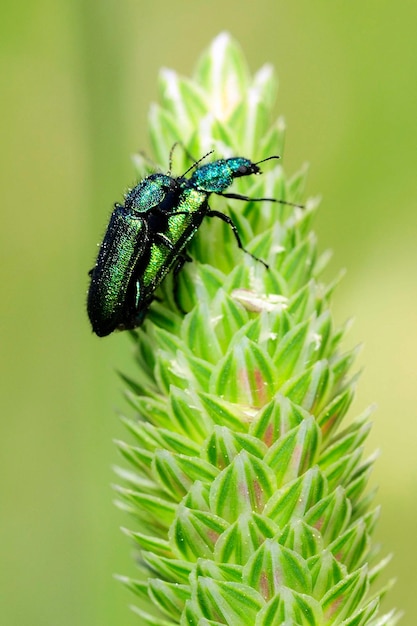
[[161, 238], [232, 225], [238, 196], [168, 244]]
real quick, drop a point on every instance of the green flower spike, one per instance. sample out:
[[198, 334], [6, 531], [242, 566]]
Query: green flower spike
[[248, 497]]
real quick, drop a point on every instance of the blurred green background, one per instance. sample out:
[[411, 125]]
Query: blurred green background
[[77, 79]]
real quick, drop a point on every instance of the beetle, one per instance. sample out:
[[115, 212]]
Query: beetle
[[113, 296], [147, 237]]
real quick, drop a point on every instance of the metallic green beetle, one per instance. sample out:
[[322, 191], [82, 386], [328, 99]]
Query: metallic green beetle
[[147, 237]]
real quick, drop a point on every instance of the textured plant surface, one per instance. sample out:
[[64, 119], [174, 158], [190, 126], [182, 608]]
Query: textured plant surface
[[248, 496]]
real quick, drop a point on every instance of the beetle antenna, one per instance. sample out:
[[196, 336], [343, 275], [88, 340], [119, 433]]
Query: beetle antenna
[[197, 162], [268, 159], [171, 154], [298, 206]]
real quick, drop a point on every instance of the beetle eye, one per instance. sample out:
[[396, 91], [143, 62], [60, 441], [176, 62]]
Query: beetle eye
[[243, 169]]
